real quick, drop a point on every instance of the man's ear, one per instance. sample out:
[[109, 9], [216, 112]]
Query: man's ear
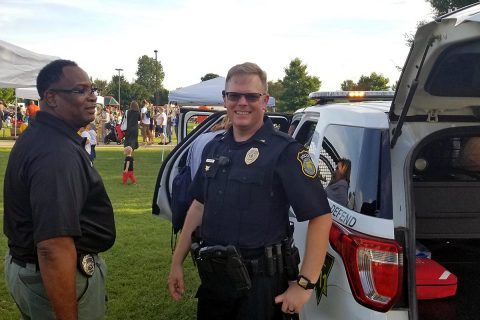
[[49, 98]]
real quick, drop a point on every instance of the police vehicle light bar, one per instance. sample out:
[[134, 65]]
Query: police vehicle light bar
[[352, 95]]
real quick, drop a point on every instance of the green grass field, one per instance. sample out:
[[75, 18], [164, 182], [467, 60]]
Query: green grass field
[[139, 262]]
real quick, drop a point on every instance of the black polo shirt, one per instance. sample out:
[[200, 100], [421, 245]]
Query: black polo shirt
[[51, 189], [247, 188]]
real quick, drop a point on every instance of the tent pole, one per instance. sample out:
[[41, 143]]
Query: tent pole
[[16, 121]]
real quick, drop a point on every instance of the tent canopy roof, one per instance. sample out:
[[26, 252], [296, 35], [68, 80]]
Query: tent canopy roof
[[20, 67], [110, 101], [204, 93]]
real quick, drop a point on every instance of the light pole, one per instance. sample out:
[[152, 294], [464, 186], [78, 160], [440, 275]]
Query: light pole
[[119, 104], [156, 79]]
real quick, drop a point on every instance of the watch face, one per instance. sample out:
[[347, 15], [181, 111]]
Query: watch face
[[303, 282]]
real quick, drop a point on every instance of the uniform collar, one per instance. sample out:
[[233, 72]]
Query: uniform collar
[[262, 135], [44, 118]]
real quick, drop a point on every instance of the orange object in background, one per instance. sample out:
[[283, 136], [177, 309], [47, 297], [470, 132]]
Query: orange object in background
[[23, 126], [200, 119]]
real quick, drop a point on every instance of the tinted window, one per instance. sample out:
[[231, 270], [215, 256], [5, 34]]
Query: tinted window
[[457, 72], [305, 133], [368, 186], [451, 158]]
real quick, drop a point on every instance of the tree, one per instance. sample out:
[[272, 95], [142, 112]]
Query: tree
[[163, 96], [209, 76], [444, 6], [101, 85], [7, 95], [150, 74], [374, 82], [276, 90], [297, 86], [348, 85], [125, 90]]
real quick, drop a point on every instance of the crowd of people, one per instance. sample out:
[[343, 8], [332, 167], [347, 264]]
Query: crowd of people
[[24, 113]]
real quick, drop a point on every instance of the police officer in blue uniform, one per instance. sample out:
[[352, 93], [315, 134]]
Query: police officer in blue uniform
[[248, 179]]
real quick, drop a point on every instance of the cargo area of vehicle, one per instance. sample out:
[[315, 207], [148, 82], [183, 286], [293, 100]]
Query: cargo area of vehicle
[[448, 226], [462, 258]]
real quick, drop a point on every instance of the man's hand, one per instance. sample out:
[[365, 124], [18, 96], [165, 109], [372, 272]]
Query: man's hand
[[294, 298], [176, 284]]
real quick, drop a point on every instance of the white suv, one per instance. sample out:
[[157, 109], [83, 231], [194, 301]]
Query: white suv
[[415, 178]]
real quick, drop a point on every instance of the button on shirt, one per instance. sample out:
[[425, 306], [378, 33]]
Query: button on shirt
[[51, 190]]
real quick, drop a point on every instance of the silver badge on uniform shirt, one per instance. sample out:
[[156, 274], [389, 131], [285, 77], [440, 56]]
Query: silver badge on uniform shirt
[[251, 156]]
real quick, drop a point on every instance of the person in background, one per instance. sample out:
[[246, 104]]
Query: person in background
[[32, 110], [194, 156], [337, 189], [164, 123], [93, 140], [160, 120], [85, 135], [128, 166], [175, 121], [3, 116], [168, 127], [151, 126], [57, 214], [145, 122], [131, 134], [248, 179]]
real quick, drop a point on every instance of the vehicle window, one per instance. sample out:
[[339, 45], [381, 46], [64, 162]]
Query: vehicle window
[[359, 162], [192, 123], [305, 133], [449, 159], [457, 72], [292, 127]]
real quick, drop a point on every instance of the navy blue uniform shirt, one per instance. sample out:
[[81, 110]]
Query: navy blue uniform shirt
[[247, 188]]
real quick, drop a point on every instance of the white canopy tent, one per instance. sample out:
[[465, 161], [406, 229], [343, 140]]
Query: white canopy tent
[[207, 93], [19, 67], [27, 93]]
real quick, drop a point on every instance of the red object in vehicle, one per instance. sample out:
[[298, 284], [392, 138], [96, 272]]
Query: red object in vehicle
[[374, 266], [433, 280]]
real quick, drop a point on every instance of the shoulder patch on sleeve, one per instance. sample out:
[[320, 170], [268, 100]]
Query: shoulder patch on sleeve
[[308, 167]]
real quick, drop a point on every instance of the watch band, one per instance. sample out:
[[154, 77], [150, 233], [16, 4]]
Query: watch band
[[305, 283]]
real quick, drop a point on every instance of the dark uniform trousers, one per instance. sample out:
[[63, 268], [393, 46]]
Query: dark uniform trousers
[[257, 304]]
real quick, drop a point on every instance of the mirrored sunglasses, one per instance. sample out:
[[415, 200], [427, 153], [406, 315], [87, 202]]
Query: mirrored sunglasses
[[249, 96]]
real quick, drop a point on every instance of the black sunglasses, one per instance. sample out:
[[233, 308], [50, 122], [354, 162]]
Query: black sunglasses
[[249, 96], [82, 91]]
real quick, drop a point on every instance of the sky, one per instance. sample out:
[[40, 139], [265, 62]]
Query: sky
[[337, 40]]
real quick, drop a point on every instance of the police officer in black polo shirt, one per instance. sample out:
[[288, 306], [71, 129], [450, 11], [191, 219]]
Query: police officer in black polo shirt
[[248, 179], [57, 214]]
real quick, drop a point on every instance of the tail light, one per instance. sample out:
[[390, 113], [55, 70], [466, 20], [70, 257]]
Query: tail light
[[374, 266]]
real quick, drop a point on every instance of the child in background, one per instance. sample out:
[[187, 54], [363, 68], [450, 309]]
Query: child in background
[[128, 166], [93, 141], [84, 133]]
